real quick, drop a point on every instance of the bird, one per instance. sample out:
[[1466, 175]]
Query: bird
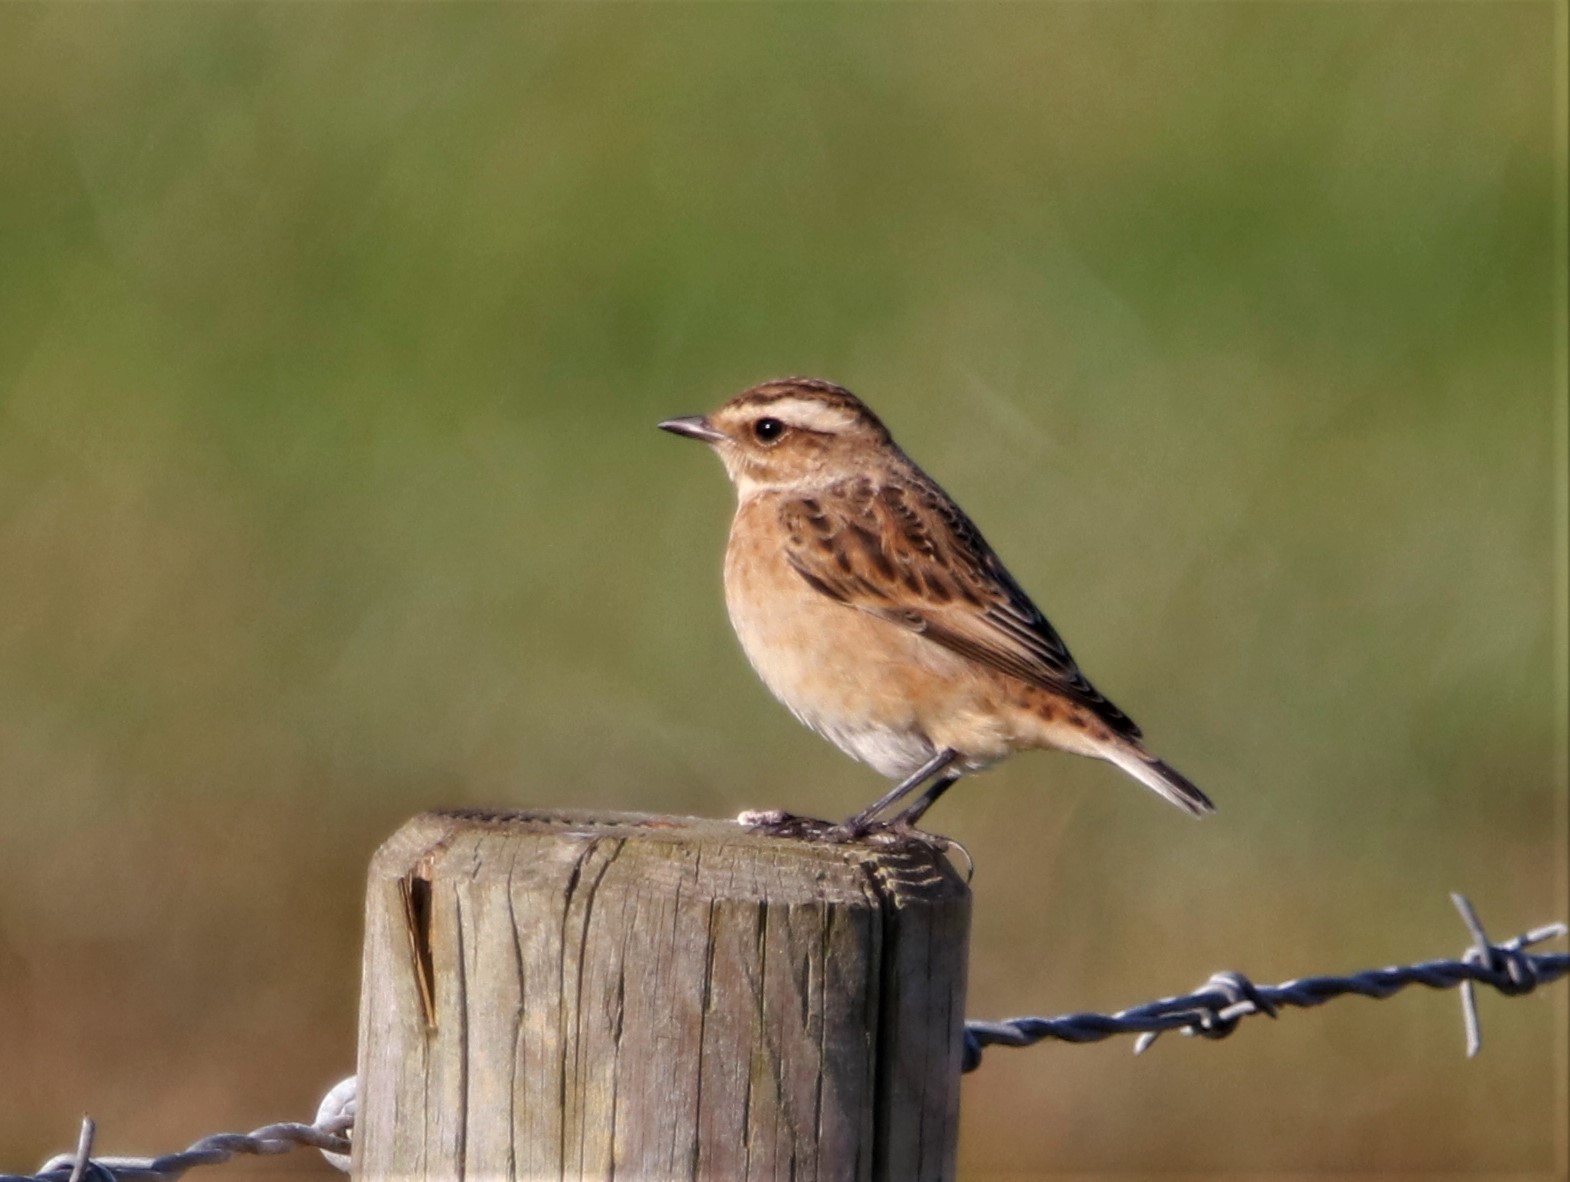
[[871, 606]]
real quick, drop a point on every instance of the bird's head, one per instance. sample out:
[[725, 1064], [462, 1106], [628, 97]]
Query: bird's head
[[790, 433]]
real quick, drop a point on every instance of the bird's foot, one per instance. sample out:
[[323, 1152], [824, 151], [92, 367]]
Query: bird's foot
[[857, 830], [779, 823], [900, 830], [894, 831]]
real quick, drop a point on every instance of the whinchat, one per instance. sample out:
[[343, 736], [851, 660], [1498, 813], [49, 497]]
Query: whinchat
[[871, 606]]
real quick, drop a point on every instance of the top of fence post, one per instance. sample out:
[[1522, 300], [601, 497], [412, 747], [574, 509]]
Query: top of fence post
[[596, 995]]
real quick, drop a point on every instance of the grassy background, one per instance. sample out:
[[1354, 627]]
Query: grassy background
[[331, 341]]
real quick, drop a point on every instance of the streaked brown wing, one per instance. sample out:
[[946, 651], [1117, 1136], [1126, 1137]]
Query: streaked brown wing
[[907, 554]]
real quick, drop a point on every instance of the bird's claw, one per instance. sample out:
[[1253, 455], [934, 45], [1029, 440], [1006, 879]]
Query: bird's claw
[[779, 823], [857, 830]]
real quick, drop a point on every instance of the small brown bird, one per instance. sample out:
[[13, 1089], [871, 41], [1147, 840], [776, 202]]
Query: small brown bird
[[871, 606]]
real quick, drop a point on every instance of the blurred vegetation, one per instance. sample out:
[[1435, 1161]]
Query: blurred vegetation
[[331, 341]]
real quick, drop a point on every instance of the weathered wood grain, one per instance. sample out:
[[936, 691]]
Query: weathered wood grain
[[656, 999]]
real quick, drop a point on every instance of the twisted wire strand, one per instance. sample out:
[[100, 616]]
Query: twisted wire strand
[[1216, 1007], [330, 1135]]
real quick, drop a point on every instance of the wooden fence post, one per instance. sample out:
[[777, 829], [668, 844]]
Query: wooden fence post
[[656, 999]]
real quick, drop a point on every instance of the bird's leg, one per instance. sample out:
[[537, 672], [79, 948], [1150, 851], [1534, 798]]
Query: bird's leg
[[908, 818], [863, 820]]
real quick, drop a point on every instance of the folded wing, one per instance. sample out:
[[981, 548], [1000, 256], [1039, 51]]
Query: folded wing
[[907, 554]]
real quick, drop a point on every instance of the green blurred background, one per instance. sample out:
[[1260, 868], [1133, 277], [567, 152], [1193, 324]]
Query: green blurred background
[[331, 343]]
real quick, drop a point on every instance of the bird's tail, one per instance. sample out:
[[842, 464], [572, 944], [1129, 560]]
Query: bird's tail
[[1154, 774]]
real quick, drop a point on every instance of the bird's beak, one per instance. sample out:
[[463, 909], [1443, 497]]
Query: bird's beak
[[693, 427]]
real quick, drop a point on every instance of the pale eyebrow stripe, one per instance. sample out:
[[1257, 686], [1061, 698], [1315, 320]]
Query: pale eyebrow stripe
[[814, 416]]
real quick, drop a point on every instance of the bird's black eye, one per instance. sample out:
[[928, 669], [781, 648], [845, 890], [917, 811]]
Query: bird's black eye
[[768, 430]]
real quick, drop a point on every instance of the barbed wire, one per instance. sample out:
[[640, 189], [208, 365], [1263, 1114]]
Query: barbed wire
[[1216, 1007], [329, 1134], [1212, 1011]]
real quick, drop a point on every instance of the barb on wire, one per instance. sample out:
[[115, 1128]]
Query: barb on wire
[[84, 1149], [329, 1134], [1217, 1006]]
